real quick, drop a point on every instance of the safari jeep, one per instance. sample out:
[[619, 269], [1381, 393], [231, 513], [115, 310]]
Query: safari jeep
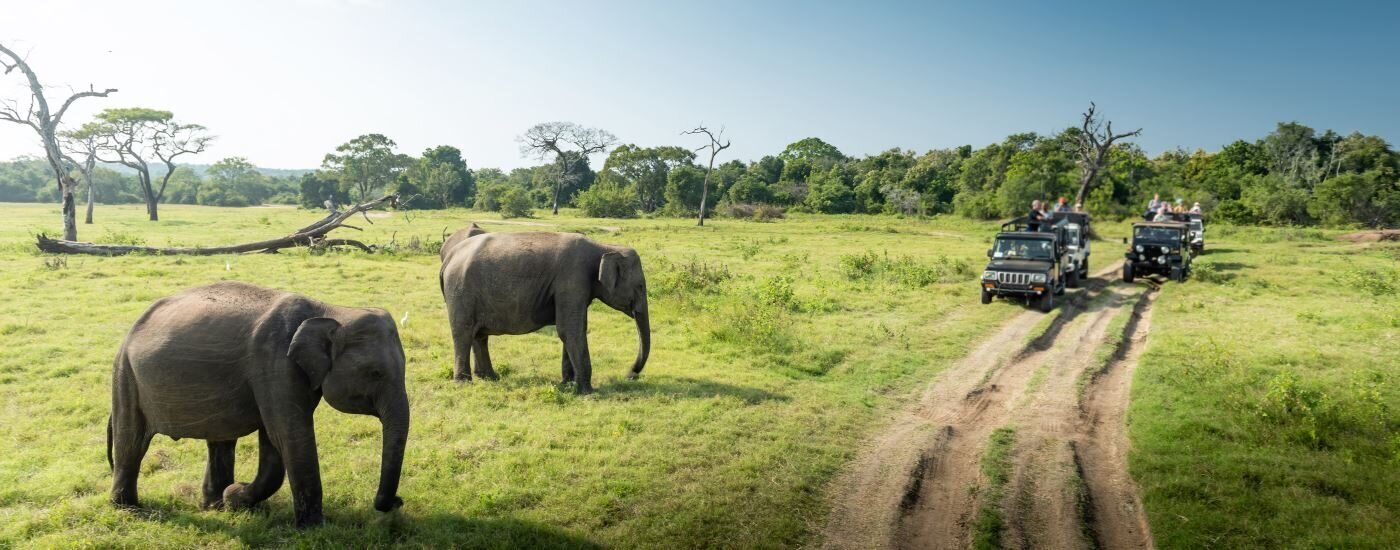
[[1198, 233], [1027, 260], [1158, 248], [1077, 243]]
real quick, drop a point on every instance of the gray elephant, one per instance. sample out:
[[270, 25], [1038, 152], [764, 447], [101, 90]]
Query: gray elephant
[[517, 283], [223, 361]]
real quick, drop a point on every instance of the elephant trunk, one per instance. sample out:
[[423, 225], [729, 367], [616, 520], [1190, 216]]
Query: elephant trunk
[[394, 417], [643, 338]]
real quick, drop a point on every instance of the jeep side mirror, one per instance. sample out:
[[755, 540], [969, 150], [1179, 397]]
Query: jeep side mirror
[[1125, 240], [989, 252]]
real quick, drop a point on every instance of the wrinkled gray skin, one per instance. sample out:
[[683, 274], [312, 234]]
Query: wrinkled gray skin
[[517, 283], [223, 361]]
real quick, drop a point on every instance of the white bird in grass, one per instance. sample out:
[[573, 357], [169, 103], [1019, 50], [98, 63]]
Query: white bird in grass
[[404, 320], [228, 266]]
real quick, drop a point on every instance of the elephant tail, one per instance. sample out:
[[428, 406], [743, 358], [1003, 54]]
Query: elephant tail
[[109, 443]]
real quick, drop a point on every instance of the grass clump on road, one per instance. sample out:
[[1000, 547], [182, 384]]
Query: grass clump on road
[[996, 471]]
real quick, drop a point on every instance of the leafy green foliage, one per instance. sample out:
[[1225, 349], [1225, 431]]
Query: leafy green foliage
[[607, 200], [516, 203]]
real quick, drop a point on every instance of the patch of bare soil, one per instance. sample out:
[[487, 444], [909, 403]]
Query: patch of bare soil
[[1371, 236], [1118, 520], [914, 485]]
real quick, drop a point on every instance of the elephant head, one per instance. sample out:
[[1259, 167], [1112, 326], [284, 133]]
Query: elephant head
[[359, 368], [623, 286]]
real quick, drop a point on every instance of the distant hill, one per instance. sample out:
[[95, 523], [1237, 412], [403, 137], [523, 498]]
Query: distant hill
[[158, 169]]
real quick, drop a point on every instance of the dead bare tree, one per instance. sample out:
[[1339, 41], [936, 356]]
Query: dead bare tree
[[1096, 138], [715, 147], [547, 138], [45, 122], [80, 148], [313, 236]]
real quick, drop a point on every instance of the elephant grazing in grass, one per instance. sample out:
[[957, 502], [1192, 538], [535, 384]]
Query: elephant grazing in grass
[[223, 361], [517, 283]]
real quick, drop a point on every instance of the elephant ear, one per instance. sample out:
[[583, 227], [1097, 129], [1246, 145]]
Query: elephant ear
[[609, 269], [311, 348]]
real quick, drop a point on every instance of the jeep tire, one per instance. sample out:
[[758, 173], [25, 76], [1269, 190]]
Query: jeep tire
[[1047, 302], [1127, 272], [1072, 280], [1177, 274], [986, 296]]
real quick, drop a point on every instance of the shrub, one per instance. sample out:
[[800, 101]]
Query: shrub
[[777, 292], [693, 276], [516, 203], [607, 201], [488, 198], [904, 270]]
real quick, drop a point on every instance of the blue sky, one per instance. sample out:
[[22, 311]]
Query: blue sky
[[282, 83]]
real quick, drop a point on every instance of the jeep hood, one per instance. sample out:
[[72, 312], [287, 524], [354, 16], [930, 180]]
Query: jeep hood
[[1019, 265]]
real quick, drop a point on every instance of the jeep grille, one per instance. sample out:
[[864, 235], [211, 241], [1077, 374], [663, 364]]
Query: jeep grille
[[1009, 278]]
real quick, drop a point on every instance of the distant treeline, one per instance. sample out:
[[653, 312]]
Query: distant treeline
[[1292, 176]]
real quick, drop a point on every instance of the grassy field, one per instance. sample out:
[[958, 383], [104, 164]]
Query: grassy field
[[1264, 412], [776, 348]]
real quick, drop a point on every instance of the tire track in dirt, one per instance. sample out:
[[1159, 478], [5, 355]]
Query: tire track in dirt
[[889, 481], [1041, 507], [1116, 517]]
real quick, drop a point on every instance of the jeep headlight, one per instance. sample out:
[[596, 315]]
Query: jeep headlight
[[989, 275], [1037, 277], [1138, 248], [1161, 259], [1166, 249]]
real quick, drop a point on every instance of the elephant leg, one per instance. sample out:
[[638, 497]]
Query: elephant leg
[[129, 438], [573, 330], [462, 350], [483, 359], [296, 443], [268, 480], [218, 474], [567, 368]]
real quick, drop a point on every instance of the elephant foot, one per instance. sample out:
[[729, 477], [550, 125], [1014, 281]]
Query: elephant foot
[[236, 497], [583, 389], [387, 504], [488, 375], [462, 379], [212, 504], [633, 375]]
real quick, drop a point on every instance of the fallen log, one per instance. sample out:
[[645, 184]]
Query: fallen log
[[313, 236]]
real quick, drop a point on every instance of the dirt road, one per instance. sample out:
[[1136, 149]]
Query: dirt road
[[1063, 482]]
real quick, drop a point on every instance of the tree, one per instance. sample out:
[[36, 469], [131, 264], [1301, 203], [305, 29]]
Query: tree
[[234, 182], [558, 138], [135, 135], [38, 117], [365, 165], [80, 148], [645, 170], [714, 147], [319, 187], [442, 177], [1095, 138]]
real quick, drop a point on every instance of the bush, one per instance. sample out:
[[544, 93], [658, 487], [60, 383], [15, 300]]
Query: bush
[[777, 292], [754, 212], [488, 198], [904, 270], [516, 203], [607, 201], [692, 276]]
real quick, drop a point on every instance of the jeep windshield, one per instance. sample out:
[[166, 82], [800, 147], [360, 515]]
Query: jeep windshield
[[1159, 234], [1196, 226], [1023, 249], [1073, 231]]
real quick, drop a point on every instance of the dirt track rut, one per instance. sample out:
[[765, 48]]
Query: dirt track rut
[[919, 483]]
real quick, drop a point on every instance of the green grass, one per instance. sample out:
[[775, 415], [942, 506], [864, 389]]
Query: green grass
[[996, 471], [1264, 412], [770, 366]]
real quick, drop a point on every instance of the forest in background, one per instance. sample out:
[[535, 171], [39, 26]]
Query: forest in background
[[1293, 176]]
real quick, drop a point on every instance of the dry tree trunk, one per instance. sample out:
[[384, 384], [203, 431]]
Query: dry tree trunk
[[313, 236]]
